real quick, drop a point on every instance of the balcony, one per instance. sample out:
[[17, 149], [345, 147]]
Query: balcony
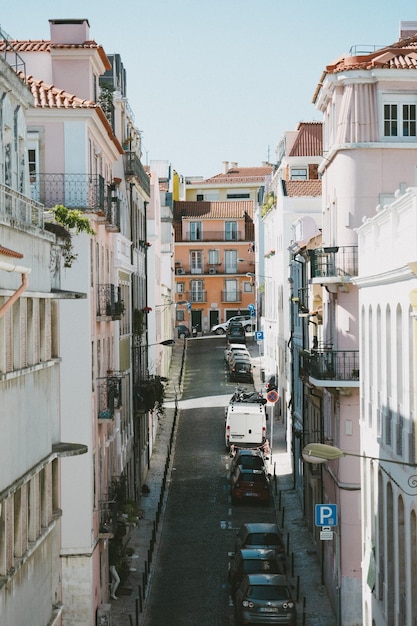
[[109, 303], [334, 265], [109, 397], [231, 296], [134, 169], [216, 235], [195, 296], [20, 208], [330, 368], [83, 192]]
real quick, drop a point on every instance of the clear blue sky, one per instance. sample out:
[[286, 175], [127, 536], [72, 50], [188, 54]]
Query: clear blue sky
[[219, 80]]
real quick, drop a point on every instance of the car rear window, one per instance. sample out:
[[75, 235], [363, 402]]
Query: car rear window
[[263, 539], [268, 592], [253, 478], [254, 566], [250, 462]]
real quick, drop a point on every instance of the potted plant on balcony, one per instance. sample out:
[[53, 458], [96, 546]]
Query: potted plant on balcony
[[68, 222]]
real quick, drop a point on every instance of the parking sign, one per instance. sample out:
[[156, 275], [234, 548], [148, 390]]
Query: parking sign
[[326, 514], [259, 335]]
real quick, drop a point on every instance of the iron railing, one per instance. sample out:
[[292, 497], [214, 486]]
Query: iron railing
[[214, 235], [339, 261], [20, 207], [335, 365], [84, 192], [109, 303], [109, 396], [231, 296], [133, 167], [195, 296]]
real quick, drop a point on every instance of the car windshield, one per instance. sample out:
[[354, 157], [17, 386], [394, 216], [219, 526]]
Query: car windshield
[[253, 478], [268, 592], [250, 462]]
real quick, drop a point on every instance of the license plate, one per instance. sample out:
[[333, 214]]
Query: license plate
[[268, 609]]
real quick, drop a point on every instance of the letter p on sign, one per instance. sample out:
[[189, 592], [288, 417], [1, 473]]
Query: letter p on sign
[[326, 514]]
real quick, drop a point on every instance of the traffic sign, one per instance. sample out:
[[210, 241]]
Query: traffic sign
[[251, 307], [326, 514], [259, 335], [272, 396]]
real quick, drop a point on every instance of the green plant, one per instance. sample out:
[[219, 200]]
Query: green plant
[[138, 322], [73, 222]]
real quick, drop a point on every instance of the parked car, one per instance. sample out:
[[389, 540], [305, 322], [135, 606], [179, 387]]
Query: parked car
[[182, 331], [241, 371], [232, 347], [247, 321], [252, 561], [236, 333], [265, 599], [271, 383], [250, 485], [248, 458], [239, 355], [261, 535]]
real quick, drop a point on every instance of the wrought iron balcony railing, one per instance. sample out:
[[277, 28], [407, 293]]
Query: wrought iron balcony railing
[[84, 192], [195, 296], [215, 235], [231, 296], [133, 167], [109, 396], [20, 207], [109, 303], [339, 261], [330, 365]]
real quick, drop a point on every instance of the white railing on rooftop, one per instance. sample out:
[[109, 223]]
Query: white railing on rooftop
[[20, 207]]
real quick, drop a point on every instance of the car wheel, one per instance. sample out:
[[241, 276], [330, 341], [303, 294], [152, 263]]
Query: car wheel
[[220, 331]]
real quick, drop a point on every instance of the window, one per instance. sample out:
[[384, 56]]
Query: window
[[195, 231], [247, 287], [231, 292], [196, 262], [298, 173], [238, 196], [399, 116], [197, 293], [213, 257], [180, 287], [231, 231], [200, 197], [230, 261]]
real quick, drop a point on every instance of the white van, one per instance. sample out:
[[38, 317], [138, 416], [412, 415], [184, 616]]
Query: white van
[[245, 424]]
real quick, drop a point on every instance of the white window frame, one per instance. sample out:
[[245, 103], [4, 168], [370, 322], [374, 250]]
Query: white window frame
[[230, 230], [299, 173], [196, 231], [398, 100]]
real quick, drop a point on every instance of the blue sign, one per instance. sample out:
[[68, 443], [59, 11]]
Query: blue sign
[[189, 306], [259, 335], [251, 307], [252, 312], [326, 514]]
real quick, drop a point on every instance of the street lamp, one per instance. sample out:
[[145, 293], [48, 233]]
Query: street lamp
[[166, 342], [321, 452]]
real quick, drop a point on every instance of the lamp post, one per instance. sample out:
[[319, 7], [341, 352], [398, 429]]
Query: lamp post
[[321, 452]]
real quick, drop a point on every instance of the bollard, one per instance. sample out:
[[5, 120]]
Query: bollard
[[140, 598], [288, 543], [292, 564], [279, 500], [282, 517], [130, 620], [137, 611], [298, 590], [304, 611], [149, 556]]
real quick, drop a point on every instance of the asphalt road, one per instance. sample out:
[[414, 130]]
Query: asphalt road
[[189, 580]]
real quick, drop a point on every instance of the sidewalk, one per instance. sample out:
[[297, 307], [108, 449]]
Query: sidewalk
[[313, 602]]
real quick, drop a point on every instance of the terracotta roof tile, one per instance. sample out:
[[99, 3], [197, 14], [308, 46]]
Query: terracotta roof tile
[[298, 188], [239, 175], [213, 210], [309, 140], [43, 45], [48, 96]]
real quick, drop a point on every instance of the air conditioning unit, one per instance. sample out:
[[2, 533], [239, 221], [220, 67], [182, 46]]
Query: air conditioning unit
[[180, 270], [212, 270]]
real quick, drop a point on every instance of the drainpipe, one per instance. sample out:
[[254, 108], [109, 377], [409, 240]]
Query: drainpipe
[[8, 267]]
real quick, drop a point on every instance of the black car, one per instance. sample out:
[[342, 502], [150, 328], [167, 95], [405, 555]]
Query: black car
[[248, 458], [252, 561], [236, 333], [261, 535], [241, 371], [182, 331], [265, 599]]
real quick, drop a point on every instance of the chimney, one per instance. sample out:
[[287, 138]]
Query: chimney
[[225, 167], [69, 31], [408, 29], [234, 165]]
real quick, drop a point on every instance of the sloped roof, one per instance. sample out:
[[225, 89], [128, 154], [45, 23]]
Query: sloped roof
[[401, 55], [239, 175], [48, 96], [213, 210], [43, 45], [299, 188], [309, 141], [11, 253]]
